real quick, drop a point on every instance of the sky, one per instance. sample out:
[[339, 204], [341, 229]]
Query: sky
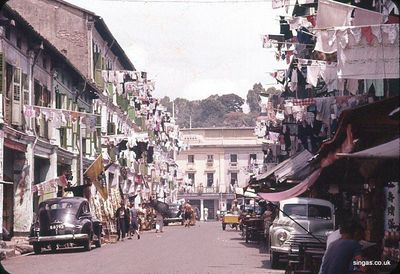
[[193, 50]]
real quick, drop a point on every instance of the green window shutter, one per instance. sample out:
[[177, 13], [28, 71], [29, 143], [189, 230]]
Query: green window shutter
[[131, 113], [110, 89]]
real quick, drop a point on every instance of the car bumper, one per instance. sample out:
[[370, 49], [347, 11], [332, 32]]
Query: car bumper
[[58, 238], [280, 249], [170, 220]]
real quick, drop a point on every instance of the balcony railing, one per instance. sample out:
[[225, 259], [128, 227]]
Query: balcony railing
[[233, 165], [203, 190]]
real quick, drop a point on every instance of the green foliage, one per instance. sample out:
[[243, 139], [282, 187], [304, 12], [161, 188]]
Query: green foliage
[[217, 111]]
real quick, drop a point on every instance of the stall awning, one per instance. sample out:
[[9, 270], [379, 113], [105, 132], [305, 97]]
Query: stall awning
[[294, 191], [390, 150], [288, 168], [246, 192]]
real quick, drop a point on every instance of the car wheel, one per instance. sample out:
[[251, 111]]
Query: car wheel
[[37, 248], [87, 244], [98, 235], [98, 242], [223, 226], [53, 247], [274, 258]]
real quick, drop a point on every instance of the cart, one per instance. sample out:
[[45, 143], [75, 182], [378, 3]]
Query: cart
[[230, 219]]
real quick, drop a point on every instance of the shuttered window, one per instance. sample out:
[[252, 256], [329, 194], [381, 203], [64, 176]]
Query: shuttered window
[[25, 88], [1, 73]]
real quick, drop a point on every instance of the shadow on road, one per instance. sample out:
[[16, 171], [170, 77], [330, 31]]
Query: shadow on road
[[64, 250]]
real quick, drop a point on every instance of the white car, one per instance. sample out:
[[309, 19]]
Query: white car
[[312, 215]]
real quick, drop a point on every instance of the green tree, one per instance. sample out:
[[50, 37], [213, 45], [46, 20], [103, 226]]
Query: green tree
[[253, 97]]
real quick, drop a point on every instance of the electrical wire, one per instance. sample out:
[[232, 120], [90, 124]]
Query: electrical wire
[[191, 1]]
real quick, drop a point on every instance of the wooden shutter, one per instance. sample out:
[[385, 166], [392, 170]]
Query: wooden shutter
[[25, 88], [1, 73], [16, 98]]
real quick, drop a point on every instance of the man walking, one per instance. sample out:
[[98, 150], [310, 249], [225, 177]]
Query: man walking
[[134, 226], [205, 214], [122, 219]]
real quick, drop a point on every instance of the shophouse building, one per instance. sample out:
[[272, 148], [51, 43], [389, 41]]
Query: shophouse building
[[36, 81]]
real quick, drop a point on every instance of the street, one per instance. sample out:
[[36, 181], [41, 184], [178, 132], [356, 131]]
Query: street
[[204, 248]]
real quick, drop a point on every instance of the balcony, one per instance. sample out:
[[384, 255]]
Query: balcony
[[190, 167], [199, 190], [233, 166]]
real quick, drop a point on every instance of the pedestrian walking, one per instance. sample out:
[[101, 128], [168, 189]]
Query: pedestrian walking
[[122, 219], [159, 222], [134, 224], [205, 214], [188, 215]]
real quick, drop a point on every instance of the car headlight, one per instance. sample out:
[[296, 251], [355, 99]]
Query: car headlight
[[282, 237]]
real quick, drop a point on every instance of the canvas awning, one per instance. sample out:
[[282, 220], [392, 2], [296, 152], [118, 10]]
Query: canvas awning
[[246, 192], [294, 191], [390, 150], [288, 168]]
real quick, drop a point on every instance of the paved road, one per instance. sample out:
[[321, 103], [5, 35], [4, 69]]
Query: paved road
[[204, 248]]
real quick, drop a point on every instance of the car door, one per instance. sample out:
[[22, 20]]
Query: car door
[[85, 218]]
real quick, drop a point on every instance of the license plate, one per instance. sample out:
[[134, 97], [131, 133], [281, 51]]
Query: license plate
[[57, 227]]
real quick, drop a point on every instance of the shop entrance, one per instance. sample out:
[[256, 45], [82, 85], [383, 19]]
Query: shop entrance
[[41, 167]]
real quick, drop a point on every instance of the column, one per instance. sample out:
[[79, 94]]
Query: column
[[201, 210], [1, 175], [23, 204], [75, 169]]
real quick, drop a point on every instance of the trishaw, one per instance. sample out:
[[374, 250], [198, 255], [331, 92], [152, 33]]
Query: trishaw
[[231, 219]]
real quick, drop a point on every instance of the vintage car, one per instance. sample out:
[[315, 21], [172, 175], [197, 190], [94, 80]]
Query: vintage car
[[306, 215], [60, 221], [174, 214]]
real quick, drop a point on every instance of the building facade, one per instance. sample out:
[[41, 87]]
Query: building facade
[[70, 98], [218, 160], [36, 75]]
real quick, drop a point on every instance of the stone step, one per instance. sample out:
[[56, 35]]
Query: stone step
[[6, 253]]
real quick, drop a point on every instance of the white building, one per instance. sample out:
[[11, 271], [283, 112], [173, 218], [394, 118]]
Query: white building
[[217, 161]]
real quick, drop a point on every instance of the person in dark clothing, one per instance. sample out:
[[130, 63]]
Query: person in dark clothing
[[122, 218], [341, 254]]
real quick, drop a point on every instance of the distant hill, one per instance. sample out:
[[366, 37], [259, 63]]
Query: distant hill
[[216, 111]]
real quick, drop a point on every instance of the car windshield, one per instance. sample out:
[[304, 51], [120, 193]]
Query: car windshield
[[310, 211], [319, 212], [59, 210]]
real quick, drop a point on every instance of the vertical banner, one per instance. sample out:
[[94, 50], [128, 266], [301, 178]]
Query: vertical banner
[[392, 211]]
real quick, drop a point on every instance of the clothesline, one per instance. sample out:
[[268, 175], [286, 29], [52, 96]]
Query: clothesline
[[352, 27], [293, 43]]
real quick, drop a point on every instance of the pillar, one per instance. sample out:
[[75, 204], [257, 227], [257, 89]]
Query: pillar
[[201, 209], [75, 169], [1, 175], [23, 197]]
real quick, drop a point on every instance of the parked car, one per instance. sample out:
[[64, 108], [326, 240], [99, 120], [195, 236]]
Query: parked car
[[285, 235], [65, 220], [174, 214]]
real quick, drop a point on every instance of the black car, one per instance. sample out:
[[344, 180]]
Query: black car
[[65, 220], [174, 215]]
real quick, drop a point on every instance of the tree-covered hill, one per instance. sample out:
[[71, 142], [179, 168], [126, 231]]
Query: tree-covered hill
[[217, 111]]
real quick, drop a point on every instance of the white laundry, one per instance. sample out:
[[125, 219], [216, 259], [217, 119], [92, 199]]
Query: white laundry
[[360, 60], [313, 73]]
